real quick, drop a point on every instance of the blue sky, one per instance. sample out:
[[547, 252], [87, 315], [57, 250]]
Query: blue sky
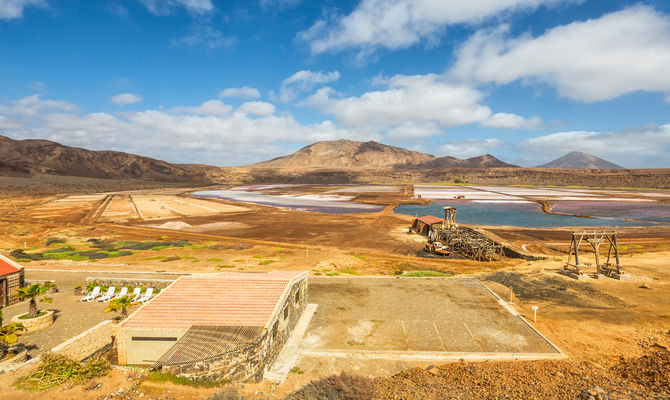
[[234, 82]]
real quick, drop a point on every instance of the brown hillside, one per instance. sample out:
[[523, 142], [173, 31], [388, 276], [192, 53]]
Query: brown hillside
[[30, 157]]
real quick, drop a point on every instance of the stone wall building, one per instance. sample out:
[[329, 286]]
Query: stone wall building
[[227, 326], [11, 278]]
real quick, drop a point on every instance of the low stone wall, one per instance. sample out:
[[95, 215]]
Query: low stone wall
[[37, 323], [250, 362], [131, 282], [89, 343]]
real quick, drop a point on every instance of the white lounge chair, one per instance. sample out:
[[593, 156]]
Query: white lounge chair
[[107, 296], [137, 293], [122, 292], [91, 296], [147, 296]]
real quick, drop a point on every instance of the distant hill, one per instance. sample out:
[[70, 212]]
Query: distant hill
[[371, 155], [29, 157], [579, 160]]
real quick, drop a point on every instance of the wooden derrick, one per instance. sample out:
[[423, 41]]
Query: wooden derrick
[[595, 239], [470, 243]]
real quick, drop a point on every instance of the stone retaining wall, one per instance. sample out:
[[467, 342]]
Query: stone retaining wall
[[131, 282], [89, 343]]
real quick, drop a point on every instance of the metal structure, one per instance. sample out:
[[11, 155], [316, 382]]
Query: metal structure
[[466, 241], [595, 239]]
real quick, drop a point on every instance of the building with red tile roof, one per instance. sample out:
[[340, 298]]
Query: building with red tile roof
[[11, 278], [209, 316]]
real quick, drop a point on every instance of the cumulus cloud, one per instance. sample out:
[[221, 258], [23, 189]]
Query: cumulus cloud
[[243, 92], [257, 108], [11, 9], [165, 7], [593, 60], [206, 36], [209, 107], [212, 132], [641, 147], [123, 99], [396, 24], [414, 106], [469, 148], [302, 81]]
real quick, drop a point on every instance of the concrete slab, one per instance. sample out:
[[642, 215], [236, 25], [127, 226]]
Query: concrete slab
[[417, 318]]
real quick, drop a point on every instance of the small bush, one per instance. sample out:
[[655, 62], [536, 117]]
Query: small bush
[[56, 369], [265, 262], [558, 259], [349, 271], [337, 387], [296, 370], [240, 260], [53, 240], [422, 274], [216, 259], [160, 377], [224, 266]]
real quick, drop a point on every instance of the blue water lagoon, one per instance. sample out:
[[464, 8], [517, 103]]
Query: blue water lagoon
[[523, 214]]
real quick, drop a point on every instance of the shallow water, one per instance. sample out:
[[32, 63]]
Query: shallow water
[[329, 204], [512, 214], [645, 211]]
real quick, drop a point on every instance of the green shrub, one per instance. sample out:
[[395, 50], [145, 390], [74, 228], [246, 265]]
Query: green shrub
[[215, 259], [224, 266], [265, 262], [349, 271], [55, 369], [159, 377], [337, 387], [240, 260], [53, 240], [421, 274], [296, 370]]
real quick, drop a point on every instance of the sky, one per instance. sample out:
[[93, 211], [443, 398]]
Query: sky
[[235, 82]]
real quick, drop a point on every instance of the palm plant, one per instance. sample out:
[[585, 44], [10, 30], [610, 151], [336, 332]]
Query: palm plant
[[120, 304], [31, 292], [8, 336]]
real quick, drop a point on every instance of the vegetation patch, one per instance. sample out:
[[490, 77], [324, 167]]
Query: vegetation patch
[[240, 260], [41, 314], [159, 377], [216, 259], [425, 274], [349, 271], [224, 266], [296, 370], [337, 387], [357, 256], [56, 369], [265, 262]]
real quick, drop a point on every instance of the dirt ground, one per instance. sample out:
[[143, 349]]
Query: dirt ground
[[595, 322]]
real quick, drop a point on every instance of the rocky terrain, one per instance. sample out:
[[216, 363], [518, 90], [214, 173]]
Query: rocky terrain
[[30, 157]]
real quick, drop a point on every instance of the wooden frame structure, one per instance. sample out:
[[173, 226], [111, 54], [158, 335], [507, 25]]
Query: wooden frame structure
[[595, 239]]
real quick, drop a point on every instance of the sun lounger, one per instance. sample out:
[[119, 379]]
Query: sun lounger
[[137, 294], [107, 296], [91, 296], [123, 292], [147, 296]]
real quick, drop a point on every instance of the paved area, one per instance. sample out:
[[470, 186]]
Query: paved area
[[412, 317], [71, 316], [289, 354]]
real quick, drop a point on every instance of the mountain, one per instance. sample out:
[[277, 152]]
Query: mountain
[[338, 154], [579, 160], [29, 157]]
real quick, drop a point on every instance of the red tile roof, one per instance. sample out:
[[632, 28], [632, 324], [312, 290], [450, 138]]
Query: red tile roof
[[7, 268], [232, 299], [430, 220]]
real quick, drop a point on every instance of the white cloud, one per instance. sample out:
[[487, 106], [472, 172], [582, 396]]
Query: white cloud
[[396, 24], [414, 105], [11, 9], [33, 105], [512, 121], [260, 108], [123, 99], [302, 81], [209, 107], [642, 147], [207, 133], [469, 148], [165, 7], [206, 36], [593, 60], [414, 130], [244, 92]]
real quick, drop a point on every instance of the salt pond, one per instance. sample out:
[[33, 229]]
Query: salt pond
[[331, 203], [514, 214]]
